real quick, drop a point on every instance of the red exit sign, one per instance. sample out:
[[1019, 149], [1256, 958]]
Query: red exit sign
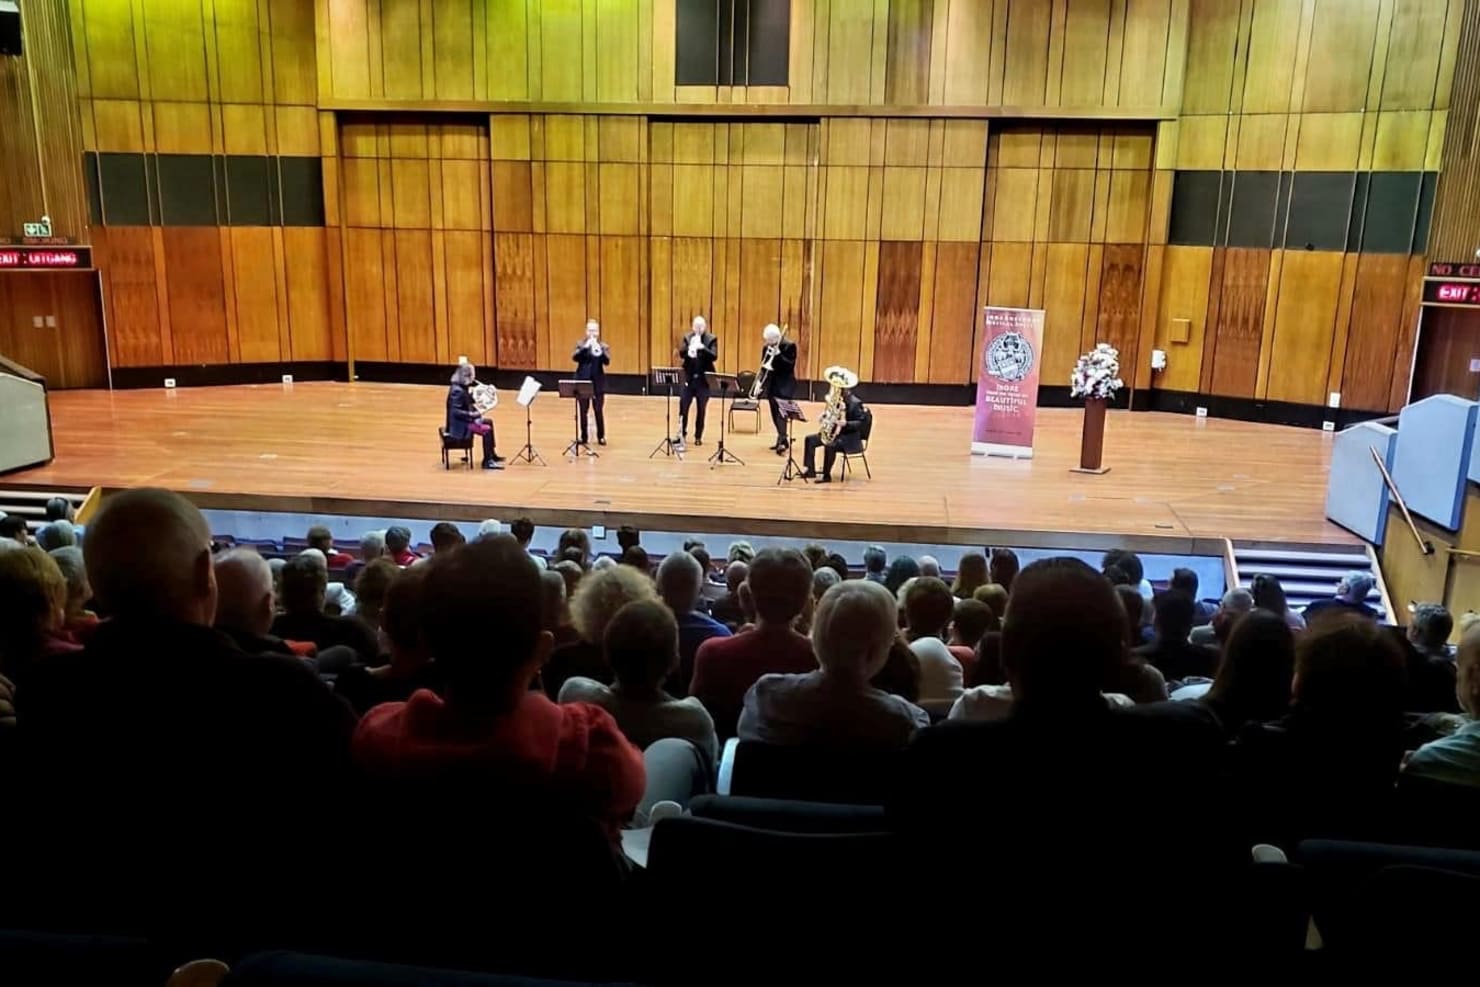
[[44, 258], [1446, 270]]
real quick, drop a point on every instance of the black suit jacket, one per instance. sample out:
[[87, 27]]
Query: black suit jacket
[[460, 412], [591, 367], [849, 440], [782, 383], [694, 368]]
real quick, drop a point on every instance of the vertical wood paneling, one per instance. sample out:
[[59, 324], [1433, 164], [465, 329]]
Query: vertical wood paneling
[[126, 257], [1240, 323], [953, 314], [896, 317], [1376, 312], [192, 257]]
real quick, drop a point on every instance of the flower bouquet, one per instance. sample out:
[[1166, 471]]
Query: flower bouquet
[[1097, 374]]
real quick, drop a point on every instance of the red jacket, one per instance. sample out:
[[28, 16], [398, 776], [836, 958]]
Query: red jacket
[[576, 750]]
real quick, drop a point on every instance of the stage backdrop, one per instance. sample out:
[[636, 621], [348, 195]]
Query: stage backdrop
[[1007, 382]]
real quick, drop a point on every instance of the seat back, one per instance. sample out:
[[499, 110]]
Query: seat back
[[866, 426], [285, 969], [811, 774], [790, 815], [746, 379]]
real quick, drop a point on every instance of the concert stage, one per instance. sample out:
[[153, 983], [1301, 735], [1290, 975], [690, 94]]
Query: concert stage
[[340, 448]]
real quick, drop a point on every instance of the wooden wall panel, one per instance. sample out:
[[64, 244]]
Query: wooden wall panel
[[1240, 324], [308, 288], [1186, 276], [1376, 311], [896, 318], [192, 257], [256, 279], [619, 308], [126, 258], [364, 274], [1305, 320], [68, 353], [1120, 297], [953, 313], [514, 282], [841, 305]]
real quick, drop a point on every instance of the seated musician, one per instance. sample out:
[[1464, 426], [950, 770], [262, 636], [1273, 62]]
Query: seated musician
[[847, 438], [464, 418]]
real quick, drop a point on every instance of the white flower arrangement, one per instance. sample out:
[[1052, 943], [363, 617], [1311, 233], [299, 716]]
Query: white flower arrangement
[[1097, 374]]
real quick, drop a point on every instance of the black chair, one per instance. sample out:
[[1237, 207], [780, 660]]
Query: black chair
[[449, 444], [865, 429], [285, 969], [1436, 813], [745, 402], [790, 815], [809, 774]]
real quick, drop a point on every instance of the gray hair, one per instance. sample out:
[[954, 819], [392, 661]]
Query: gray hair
[[372, 545], [603, 562], [56, 534], [489, 528], [1237, 600], [1355, 585], [74, 568], [875, 558], [317, 556], [740, 551], [464, 374], [929, 566], [243, 578], [680, 581], [855, 625], [823, 580]]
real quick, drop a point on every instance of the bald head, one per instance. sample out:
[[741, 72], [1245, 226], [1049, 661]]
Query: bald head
[[243, 592], [149, 555]]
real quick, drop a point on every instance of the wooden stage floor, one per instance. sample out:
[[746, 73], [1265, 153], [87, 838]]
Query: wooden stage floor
[[372, 448]]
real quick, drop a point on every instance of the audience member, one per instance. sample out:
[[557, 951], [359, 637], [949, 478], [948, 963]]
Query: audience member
[[691, 543], [572, 573], [680, 580], [1455, 759], [1254, 674], [1138, 630], [628, 537], [55, 534], [838, 564], [1326, 768], [304, 581], [1269, 595], [245, 602], [1003, 569], [487, 728], [578, 540], [740, 551], [489, 527], [706, 564], [970, 621], [930, 566], [835, 707], [1170, 651], [603, 562], [446, 536], [1185, 581], [1130, 564], [522, 528], [928, 607], [160, 708], [1234, 604], [993, 595], [900, 675], [337, 597], [901, 569], [874, 561], [60, 509], [410, 667], [641, 648], [637, 557], [1429, 628], [1351, 596], [372, 547], [78, 622], [371, 586], [816, 555], [778, 587], [321, 538], [593, 604], [727, 609], [823, 580], [13, 526], [971, 573], [33, 598], [398, 546], [557, 609], [1431, 666], [1133, 676]]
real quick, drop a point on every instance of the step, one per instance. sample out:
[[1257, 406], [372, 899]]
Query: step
[[1316, 590], [1284, 572], [1351, 560]]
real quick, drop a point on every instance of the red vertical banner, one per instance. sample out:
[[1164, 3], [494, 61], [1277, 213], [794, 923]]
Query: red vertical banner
[[1007, 382]]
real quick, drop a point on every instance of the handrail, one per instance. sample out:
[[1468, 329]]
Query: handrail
[[89, 505], [1463, 553], [1382, 586], [1230, 566], [1424, 547]]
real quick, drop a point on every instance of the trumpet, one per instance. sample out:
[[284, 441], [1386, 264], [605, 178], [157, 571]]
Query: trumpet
[[768, 359]]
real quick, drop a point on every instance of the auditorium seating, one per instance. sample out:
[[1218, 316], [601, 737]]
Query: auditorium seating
[[30, 503]]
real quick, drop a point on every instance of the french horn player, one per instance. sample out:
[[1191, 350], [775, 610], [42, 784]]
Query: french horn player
[[469, 404], [837, 426]]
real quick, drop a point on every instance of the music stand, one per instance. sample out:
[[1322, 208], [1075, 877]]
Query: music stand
[[792, 412], [666, 376], [577, 390], [727, 385], [528, 453]]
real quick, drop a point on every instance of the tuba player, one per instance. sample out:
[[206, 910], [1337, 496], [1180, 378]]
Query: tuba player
[[838, 427]]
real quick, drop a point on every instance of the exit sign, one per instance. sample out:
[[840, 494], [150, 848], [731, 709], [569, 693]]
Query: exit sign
[[41, 229]]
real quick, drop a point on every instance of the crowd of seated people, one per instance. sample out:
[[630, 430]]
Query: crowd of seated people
[[168, 711]]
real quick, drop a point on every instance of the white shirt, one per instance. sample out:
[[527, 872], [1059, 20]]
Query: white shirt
[[940, 674]]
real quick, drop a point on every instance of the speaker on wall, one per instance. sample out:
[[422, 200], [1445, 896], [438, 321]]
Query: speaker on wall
[[10, 27]]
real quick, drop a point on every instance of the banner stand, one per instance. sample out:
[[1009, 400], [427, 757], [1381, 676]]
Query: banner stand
[[1007, 382]]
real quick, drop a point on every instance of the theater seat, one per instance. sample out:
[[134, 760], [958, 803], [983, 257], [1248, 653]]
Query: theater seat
[[284, 969], [789, 815], [808, 774]]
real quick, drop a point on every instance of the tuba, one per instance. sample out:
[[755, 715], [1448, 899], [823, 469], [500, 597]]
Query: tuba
[[763, 375], [834, 413]]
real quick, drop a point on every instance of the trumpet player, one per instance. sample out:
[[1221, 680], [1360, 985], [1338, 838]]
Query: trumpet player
[[779, 365], [465, 420], [591, 357], [698, 352]]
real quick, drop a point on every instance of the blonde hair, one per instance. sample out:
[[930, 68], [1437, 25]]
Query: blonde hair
[[602, 593], [855, 625], [33, 597]]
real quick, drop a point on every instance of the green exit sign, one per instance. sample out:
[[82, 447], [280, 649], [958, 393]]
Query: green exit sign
[[42, 228]]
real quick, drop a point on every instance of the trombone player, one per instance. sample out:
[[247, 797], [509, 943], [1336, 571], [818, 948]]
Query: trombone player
[[778, 378], [698, 352], [837, 426]]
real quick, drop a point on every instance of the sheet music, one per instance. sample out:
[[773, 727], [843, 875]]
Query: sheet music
[[528, 391]]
